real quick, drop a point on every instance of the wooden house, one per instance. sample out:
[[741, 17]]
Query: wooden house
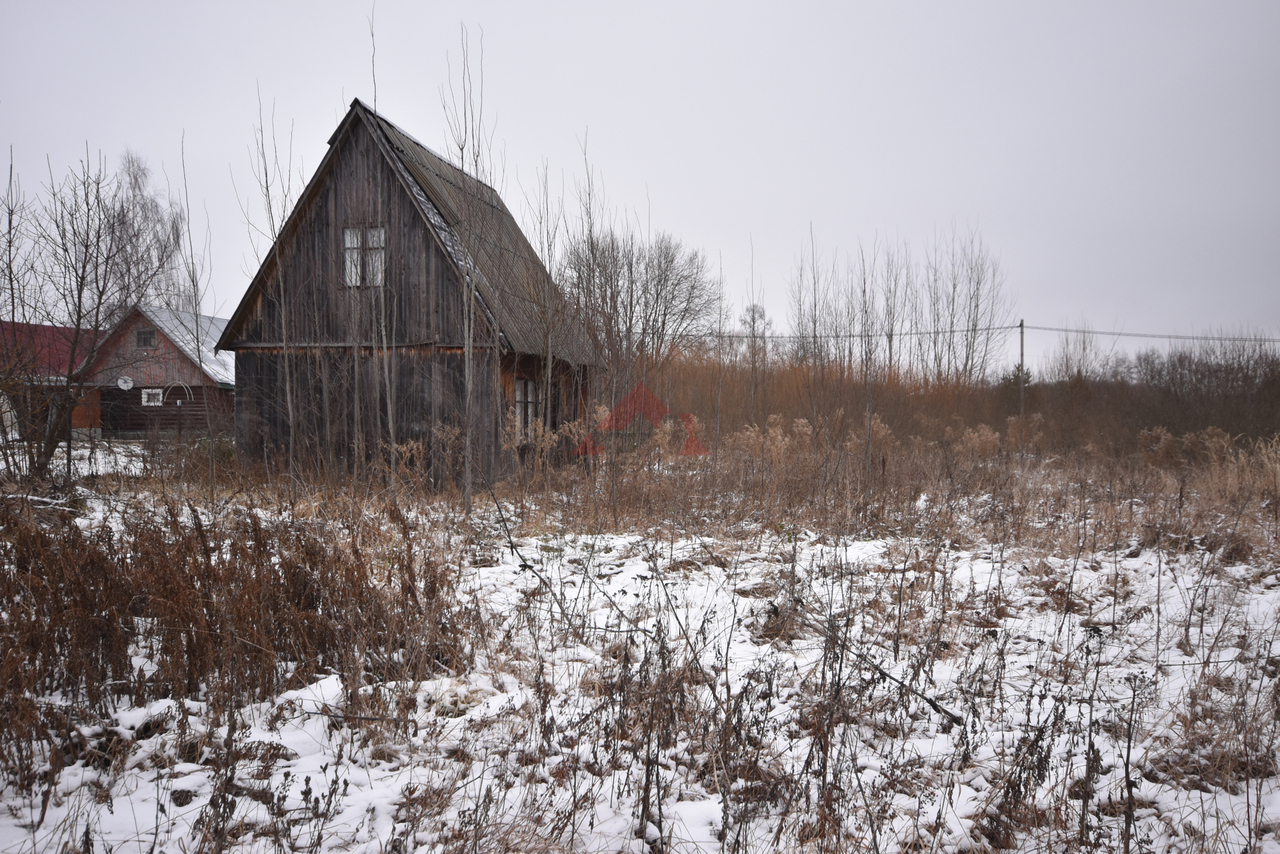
[[154, 371], [157, 371], [350, 340]]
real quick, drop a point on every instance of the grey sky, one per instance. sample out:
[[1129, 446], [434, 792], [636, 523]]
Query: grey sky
[[1123, 160]]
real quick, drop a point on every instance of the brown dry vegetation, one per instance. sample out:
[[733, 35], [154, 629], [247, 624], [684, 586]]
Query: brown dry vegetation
[[229, 603], [1103, 404], [241, 586]]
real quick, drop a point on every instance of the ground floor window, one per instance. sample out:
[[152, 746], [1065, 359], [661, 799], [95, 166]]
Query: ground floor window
[[526, 407], [152, 396]]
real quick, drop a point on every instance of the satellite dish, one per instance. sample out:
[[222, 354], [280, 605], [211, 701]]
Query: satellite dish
[[125, 383]]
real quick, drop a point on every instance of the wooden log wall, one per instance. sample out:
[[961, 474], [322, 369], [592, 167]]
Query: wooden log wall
[[187, 409]]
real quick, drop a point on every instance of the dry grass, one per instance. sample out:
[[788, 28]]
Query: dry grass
[[236, 590], [229, 604]]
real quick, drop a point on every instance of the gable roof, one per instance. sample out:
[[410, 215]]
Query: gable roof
[[477, 232], [193, 334], [44, 351], [196, 336]]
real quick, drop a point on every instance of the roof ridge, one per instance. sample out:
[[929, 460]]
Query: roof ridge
[[474, 228], [444, 159]]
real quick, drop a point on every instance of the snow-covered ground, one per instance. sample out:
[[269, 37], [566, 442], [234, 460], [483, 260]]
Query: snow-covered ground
[[90, 459], [770, 690]]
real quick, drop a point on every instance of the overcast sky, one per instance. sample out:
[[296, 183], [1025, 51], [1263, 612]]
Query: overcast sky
[[1121, 159]]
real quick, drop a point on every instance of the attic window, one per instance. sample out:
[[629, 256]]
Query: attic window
[[364, 260], [145, 339]]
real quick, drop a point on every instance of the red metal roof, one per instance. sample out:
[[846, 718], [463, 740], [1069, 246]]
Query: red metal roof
[[40, 350]]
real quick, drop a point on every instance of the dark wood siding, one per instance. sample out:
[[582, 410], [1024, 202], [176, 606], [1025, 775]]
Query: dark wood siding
[[348, 408], [333, 376], [183, 409], [306, 300]]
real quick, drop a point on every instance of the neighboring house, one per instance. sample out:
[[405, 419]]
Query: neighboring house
[[35, 359], [350, 338], [157, 370]]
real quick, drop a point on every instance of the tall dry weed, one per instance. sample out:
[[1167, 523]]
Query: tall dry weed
[[227, 606]]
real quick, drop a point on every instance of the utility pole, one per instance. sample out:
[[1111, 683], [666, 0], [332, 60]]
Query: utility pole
[[1022, 368]]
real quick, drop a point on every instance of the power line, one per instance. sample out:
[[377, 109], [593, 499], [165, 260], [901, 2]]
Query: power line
[[851, 336], [1251, 339], [970, 330]]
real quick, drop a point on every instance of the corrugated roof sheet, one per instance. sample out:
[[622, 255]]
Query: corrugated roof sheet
[[476, 227]]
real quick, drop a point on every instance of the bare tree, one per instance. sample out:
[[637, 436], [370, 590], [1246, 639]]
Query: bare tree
[[757, 330], [850, 319], [958, 309], [472, 149], [265, 214], [896, 283], [1079, 355], [815, 326], [185, 298], [642, 296], [549, 311], [591, 269], [16, 357], [99, 244]]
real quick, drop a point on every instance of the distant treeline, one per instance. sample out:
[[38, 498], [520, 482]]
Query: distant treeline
[[1080, 399]]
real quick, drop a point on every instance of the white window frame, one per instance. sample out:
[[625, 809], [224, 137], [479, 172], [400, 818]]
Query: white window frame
[[153, 397], [364, 256]]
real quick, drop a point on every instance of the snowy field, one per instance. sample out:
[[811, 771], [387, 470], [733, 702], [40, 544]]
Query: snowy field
[[762, 690]]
